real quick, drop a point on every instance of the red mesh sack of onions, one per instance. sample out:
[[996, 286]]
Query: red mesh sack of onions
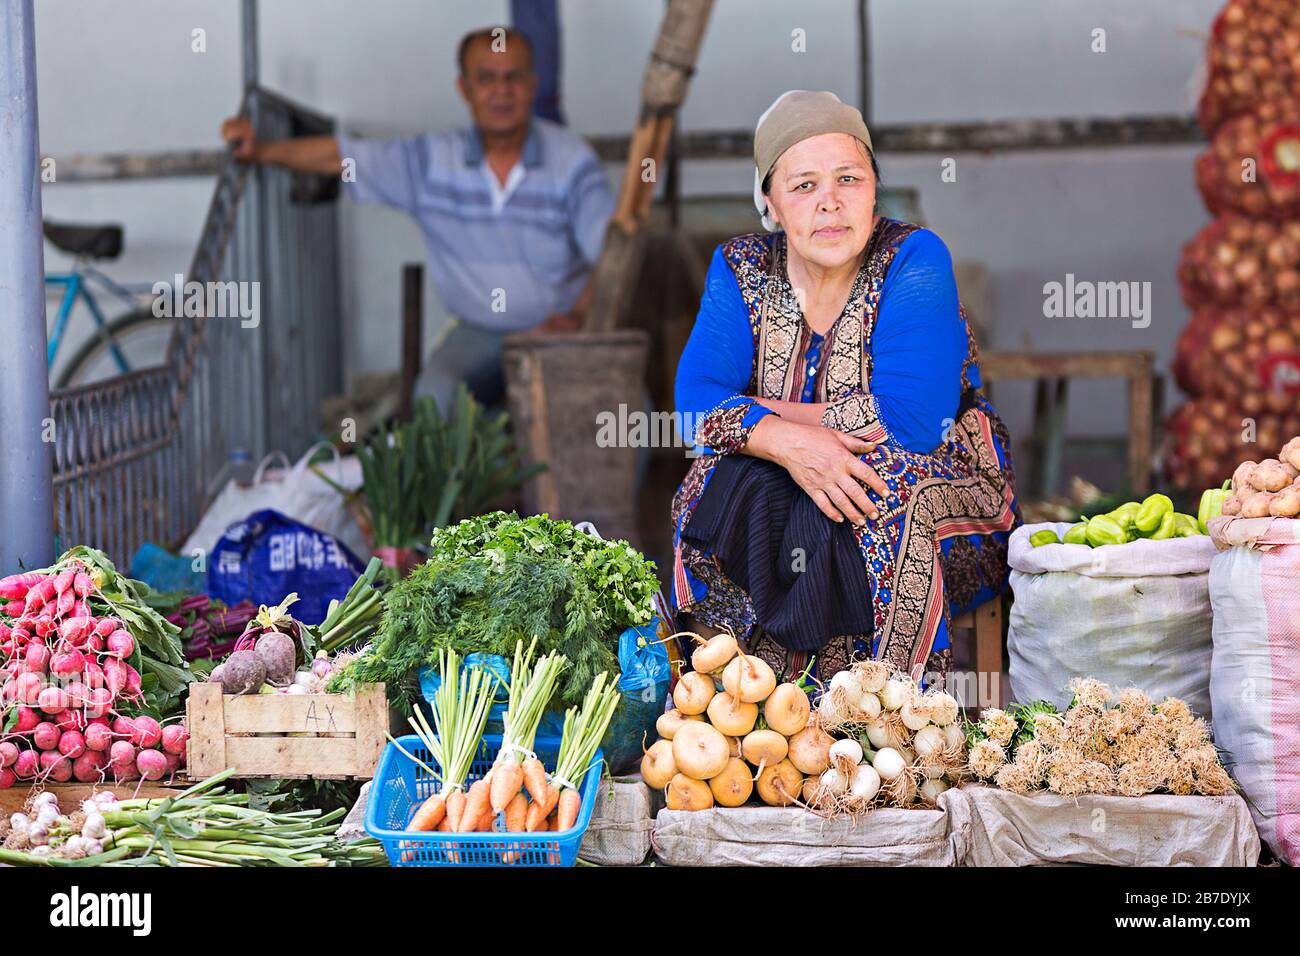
[[1235, 262], [1266, 187], [1251, 356], [1254, 57], [1206, 438]]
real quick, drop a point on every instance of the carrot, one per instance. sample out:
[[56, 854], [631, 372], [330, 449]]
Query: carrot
[[567, 812], [474, 806], [443, 825], [516, 813], [455, 810], [507, 779], [535, 778], [539, 810], [430, 814]]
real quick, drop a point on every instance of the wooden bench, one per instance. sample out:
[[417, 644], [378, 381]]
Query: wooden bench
[[1052, 372]]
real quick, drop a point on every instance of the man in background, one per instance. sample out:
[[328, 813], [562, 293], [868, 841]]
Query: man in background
[[513, 208]]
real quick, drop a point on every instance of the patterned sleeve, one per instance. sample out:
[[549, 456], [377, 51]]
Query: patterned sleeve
[[857, 414], [716, 368]]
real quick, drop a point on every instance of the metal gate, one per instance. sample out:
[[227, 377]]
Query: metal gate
[[137, 457]]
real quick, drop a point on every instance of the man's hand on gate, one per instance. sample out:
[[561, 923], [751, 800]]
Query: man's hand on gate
[[238, 132]]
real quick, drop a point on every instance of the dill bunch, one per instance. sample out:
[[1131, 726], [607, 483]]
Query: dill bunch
[[477, 604]]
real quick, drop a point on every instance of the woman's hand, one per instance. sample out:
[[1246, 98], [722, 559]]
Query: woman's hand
[[824, 463]]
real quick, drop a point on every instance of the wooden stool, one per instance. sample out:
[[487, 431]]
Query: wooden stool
[[986, 623]]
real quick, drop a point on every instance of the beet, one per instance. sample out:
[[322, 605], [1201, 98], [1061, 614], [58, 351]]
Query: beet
[[243, 673], [279, 653]]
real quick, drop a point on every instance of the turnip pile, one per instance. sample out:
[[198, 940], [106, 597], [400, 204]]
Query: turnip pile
[[900, 746], [85, 670], [1130, 748], [204, 826], [734, 732]]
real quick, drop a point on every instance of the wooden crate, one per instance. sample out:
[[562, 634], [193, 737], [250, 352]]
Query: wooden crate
[[341, 735]]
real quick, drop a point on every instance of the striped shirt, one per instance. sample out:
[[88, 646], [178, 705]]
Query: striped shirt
[[503, 258]]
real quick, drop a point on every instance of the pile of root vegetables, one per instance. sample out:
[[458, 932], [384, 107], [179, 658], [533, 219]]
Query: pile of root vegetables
[[1238, 359], [1129, 747], [1268, 488], [735, 733], [86, 670], [902, 746], [518, 794]]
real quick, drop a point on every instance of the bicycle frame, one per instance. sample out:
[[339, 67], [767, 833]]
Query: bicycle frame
[[76, 284]]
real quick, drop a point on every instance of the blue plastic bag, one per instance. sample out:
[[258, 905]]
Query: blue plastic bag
[[164, 571], [647, 675], [268, 556]]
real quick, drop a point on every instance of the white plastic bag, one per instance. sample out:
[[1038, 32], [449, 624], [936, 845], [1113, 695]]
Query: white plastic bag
[[296, 491], [1131, 615], [1255, 674]]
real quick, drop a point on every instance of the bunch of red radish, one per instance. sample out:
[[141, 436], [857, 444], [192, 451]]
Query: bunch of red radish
[[68, 690]]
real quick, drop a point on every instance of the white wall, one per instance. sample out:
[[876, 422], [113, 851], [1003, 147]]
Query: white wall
[[121, 76]]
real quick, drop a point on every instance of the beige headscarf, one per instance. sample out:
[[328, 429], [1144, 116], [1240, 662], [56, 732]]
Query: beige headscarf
[[793, 117]]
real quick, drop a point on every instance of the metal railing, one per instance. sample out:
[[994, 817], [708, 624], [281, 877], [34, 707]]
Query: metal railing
[[137, 457]]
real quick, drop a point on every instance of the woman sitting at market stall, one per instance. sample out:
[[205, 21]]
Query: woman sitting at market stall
[[854, 488]]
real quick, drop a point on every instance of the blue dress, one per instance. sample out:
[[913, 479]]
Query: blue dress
[[899, 369]]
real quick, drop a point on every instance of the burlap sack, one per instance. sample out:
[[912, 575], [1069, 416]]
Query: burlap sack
[[619, 834], [1012, 830], [791, 836]]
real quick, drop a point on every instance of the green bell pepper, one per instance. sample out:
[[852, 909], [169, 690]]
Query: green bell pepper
[[1152, 513], [1046, 536], [1212, 505], [1077, 535], [1185, 526], [1168, 525], [1122, 518], [1103, 530]]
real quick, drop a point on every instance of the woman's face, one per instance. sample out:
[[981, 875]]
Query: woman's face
[[823, 194]]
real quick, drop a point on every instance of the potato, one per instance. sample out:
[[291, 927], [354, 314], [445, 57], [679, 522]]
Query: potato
[[1257, 505], [1272, 475], [1232, 505], [1286, 504], [1243, 479], [1290, 453]]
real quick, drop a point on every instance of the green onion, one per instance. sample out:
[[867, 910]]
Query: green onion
[[584, 729]]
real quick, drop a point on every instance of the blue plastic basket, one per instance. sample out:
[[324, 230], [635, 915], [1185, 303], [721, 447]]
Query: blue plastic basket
[[401, 785]]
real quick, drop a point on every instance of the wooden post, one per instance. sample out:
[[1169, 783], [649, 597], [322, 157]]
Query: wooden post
[[663, 91], [412, 327]]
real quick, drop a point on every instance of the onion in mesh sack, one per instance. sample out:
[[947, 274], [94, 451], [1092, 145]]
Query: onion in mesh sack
[[1253, 57]]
